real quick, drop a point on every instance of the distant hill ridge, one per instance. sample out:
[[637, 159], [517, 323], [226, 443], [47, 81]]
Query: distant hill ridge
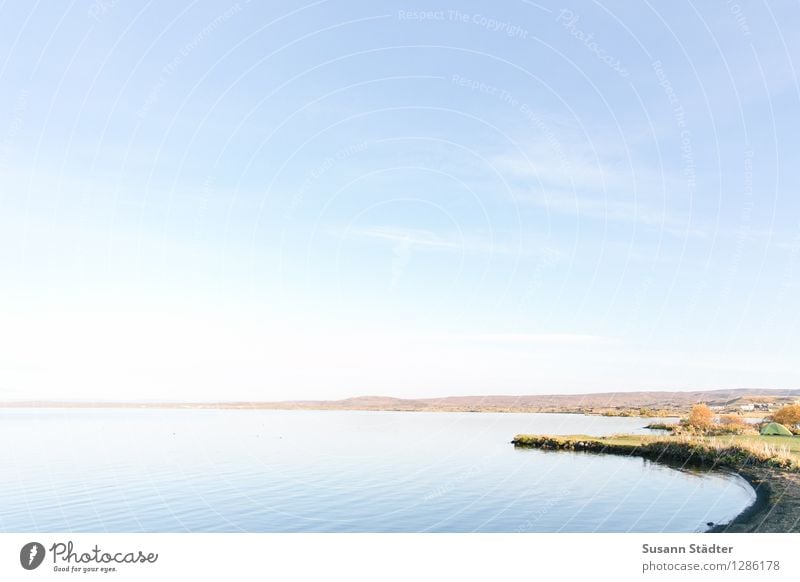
[[543, 402], [640, 399]]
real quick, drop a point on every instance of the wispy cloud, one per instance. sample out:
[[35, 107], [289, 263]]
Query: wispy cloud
[[570, 176], [406, 236], [603, 206], [523, 338], [409, 239], [554, 168]]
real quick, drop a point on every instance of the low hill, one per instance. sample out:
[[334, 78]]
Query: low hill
[[597, 403], [561, 402]]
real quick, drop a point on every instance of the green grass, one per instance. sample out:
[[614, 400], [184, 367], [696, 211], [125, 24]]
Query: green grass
[[729, 450], [790, 444]]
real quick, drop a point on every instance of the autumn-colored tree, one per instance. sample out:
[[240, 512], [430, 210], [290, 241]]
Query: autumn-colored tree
[[700, 416], [789, 415], [732, 420]]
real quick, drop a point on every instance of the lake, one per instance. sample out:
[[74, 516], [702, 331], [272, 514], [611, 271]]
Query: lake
[[93, 470]]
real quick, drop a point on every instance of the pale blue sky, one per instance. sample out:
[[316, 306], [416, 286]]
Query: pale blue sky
[[269, 200]]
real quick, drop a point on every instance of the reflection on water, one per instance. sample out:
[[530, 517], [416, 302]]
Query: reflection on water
[[279, 471]]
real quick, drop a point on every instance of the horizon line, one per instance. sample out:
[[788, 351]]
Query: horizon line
[[10, 403]]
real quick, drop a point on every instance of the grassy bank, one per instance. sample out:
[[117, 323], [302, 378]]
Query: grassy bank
[[730, 451], [770, 464]]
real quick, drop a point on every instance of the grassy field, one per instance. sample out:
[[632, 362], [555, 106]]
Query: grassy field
[[789, 444], [727, 450]]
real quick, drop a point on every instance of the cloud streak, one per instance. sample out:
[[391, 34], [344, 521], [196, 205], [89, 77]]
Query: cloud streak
[[421, 239]]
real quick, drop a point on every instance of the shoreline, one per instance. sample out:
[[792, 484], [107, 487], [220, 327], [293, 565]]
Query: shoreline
[[776, 508], [754, 513]]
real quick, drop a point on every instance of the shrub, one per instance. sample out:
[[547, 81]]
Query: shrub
[[700, 417], [732, 419], [788, 416]]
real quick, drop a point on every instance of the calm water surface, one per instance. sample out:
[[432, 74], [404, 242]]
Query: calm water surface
[[282, 471]]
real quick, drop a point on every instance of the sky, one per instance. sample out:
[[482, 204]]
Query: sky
[[288, 200]]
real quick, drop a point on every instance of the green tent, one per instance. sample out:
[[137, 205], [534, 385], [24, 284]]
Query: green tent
[[775, 429]]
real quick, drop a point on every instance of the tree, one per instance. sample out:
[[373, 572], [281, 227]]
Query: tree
[[789, 415], [732, 420], [700, 416]]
